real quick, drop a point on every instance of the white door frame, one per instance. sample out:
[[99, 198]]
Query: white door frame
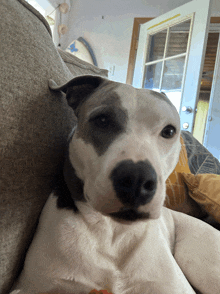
[[196, 57], [212, 134]]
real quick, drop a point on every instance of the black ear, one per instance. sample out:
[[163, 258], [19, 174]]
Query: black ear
[[78, 89]]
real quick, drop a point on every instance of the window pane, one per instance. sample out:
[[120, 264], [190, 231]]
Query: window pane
[[172, 80], [173, 74], [152, 76], [157, 45], [178, 40]]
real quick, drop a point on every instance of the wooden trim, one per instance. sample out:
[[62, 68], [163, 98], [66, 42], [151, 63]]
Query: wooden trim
[[134, 44], [215, 20], [133, 48]]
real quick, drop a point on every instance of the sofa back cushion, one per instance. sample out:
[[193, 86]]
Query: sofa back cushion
[[34, 126]]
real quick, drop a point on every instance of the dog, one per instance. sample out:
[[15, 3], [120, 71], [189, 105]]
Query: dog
[[106, 227]]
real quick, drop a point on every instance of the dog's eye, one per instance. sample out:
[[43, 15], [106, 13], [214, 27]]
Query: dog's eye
[[168, 132], [101, 121]]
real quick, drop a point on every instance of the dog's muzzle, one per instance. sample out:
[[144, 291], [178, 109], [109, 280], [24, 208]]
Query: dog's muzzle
[[134, 183]]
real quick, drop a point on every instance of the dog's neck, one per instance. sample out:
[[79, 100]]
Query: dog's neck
[[107, 231]]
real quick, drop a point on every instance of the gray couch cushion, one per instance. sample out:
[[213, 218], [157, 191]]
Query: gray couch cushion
[[79, 67], [34, 126]]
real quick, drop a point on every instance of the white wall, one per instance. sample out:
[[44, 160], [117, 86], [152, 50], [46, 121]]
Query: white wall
[[107, 25]]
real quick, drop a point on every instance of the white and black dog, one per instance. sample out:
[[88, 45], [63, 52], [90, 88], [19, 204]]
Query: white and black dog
[[108, 229]]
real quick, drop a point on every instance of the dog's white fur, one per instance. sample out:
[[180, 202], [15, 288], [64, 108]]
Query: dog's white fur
[[170, 253], [141, 141]]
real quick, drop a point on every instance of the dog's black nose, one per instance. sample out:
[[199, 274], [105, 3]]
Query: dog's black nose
[[134, 183]]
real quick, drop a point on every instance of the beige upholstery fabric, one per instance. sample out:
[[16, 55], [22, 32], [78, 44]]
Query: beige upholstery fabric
[[34, 126], [79, 67]]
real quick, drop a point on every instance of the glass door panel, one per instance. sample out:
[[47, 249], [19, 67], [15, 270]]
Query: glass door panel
[[157, 46], [152, 76], [178, 38], [166, 58], [173, 74], [172, 79]]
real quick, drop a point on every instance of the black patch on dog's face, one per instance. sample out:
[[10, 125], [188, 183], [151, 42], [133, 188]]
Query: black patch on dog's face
[[63, 194], [74, 184], [68, 187], [102, 119]]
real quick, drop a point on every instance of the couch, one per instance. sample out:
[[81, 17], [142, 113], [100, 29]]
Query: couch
[[35, 124]]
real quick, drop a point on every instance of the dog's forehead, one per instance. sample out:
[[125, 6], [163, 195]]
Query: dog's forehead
[[141, 96], [144, 106], [143, 100], [147, 107], [129, 110], [158, 95], [118, 94], [106, 94]]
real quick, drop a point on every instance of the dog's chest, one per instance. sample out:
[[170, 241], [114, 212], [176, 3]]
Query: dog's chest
[[90, 244], [89, 252]]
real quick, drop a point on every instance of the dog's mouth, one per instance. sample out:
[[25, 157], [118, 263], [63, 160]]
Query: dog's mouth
[[129, 214]]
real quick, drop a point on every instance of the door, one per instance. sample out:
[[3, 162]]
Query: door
[[212, 133], [170, 56]]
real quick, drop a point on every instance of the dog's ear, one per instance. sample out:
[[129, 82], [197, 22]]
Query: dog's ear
[[78, 89]]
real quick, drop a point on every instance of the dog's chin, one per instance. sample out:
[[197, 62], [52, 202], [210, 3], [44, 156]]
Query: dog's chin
[[129, 215]]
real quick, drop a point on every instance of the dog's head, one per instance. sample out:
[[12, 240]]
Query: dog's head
[[124, 147]]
